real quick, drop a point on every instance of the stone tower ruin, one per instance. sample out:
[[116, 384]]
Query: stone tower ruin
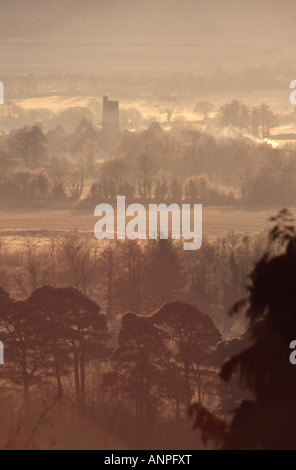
[[110, 126]]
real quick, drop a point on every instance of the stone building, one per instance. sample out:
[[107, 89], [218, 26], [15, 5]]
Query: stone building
[[110, 125]]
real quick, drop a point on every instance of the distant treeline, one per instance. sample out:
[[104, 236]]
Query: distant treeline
[[217, 168]]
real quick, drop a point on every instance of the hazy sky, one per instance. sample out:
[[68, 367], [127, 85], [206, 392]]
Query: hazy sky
[[262, 23]]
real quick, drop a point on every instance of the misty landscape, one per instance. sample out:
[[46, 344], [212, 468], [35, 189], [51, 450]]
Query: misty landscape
[[138, 344]]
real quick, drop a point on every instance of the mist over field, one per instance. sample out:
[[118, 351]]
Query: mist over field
[[111, 344]]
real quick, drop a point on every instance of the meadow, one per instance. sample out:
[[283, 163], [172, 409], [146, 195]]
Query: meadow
[[43, 219]]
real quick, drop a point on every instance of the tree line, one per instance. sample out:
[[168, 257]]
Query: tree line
[[179, 165], [57, 341], [135, 276]]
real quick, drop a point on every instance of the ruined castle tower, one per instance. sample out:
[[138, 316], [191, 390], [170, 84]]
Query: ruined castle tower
[[110, 127]]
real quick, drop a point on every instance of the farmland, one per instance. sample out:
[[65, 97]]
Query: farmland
[[41, 221]]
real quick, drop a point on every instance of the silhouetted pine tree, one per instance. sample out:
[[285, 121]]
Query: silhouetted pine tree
[[268, 421]]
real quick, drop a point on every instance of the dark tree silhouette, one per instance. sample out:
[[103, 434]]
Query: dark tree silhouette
[[192, 338], [234, 114], [46, 336], [25, 364], [29, 145], [266, 422], [84, 330], [231, 394], [52, 332], [162, 359], [137, 364]]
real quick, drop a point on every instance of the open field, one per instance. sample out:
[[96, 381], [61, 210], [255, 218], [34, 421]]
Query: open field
[[39, 221]]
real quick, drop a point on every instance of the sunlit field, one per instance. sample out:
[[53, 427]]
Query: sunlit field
[[41, 223]]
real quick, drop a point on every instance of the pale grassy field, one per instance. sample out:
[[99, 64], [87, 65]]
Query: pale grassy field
[[41, 223]]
